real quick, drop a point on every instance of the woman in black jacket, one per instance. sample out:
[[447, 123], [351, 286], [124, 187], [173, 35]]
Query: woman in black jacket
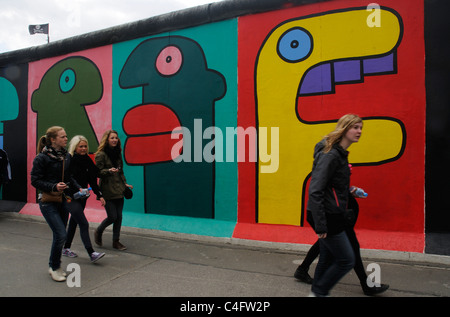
[[327, 203], [85, 173], [51, 176]]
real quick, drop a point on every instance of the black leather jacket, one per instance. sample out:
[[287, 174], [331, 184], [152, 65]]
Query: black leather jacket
[[47, 172], [329, 189]]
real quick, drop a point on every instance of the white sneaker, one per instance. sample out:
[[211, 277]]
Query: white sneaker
[[57, 275], [62, 272]]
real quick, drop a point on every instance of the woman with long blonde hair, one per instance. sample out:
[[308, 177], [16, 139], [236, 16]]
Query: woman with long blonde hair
[[108, 159], [85, 173], [327, 203]]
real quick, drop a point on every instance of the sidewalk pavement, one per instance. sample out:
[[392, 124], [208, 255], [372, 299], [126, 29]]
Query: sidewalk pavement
[[158, 264]]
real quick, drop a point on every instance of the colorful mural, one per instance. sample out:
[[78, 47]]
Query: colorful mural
[[64, 91], [160, 66], [9, 108], [303, 68], [218, 121]]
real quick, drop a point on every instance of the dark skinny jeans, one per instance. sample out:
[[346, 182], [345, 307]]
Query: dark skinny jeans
[[336, 258], [113, 209], [313, 253], [77, 217]]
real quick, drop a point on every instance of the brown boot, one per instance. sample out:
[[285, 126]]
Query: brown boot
[[119, 246], [98, 238]]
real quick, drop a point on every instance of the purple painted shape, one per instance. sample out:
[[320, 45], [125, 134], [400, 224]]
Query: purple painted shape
[[317, 80], [346, 71], [379, 65]]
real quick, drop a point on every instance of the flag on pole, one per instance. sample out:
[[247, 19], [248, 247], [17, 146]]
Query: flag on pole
[[38, 29]]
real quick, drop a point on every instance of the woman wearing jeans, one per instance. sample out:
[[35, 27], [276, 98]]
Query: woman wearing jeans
[[85, 172], [327, 203], [47, 176], [108, 159]]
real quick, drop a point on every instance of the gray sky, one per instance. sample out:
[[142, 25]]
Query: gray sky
[[73, 17]]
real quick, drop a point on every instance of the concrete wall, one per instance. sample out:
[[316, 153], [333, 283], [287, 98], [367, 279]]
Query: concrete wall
[[234, 75]]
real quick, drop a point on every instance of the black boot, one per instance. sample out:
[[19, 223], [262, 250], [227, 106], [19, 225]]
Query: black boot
[[374, 290], [98, 238], [119, 246], [302, 275]]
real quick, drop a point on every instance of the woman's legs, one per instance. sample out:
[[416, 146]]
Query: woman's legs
[[56, 215], [335, 260], [76, 209], [113, 209]]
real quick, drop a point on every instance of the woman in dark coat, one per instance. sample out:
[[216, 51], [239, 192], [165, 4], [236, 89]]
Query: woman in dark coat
[[85, 173], [51, 176], [327, 203]]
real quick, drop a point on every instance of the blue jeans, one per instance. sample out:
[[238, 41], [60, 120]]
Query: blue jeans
[[56, 215], [335, 260]]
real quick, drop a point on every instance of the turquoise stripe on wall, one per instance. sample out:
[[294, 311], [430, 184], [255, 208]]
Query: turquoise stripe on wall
[[198, 226]]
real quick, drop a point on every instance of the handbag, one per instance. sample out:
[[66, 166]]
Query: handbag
[[128, 193], [53, 197]]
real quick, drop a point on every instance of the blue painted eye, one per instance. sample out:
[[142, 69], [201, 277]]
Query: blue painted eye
[[67, 80], [295, 45]]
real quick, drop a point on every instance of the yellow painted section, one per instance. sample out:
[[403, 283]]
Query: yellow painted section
[[335, 36]]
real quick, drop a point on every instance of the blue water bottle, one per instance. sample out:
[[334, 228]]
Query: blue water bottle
[[84, 193], [360, 193]]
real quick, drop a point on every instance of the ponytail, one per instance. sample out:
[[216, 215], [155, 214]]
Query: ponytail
[[46, 140]]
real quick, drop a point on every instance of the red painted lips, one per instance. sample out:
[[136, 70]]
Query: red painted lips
[[149, 128]]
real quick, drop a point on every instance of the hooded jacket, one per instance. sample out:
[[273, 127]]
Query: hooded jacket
[[329, 189]]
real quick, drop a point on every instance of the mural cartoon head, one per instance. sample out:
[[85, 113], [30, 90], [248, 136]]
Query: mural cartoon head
[[65, 89], [311, 55], [178, 89], [9, 107]]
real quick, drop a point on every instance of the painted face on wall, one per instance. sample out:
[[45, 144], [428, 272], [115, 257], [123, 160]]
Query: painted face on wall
[[311, 56], [178, 89], [64, 90]]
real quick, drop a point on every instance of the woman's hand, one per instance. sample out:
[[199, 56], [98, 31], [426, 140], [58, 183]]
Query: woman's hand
[[322, 235], [102, 201], [61, 186], [129, 186], [113, 170]]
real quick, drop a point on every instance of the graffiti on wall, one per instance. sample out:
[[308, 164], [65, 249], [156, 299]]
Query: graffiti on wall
[[311, 56], [64, 91], [301, 73], [72, 91], [9, 107], [171, 91], [178, 90], [297, 69]]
